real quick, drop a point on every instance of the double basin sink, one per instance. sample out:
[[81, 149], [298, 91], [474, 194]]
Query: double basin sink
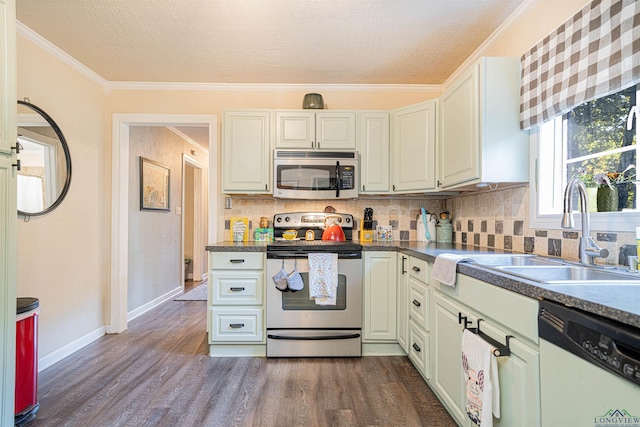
[[554, 271]]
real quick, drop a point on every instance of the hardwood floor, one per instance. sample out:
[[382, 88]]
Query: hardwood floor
[[158, 373]]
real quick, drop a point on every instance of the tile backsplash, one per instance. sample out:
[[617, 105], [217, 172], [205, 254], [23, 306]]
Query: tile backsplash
[[500, 219], [492, 219], [400, 213]]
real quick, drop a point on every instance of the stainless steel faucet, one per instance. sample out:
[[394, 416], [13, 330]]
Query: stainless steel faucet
[[589, 250]]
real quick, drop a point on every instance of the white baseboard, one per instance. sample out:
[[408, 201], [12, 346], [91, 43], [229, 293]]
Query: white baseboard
[[51, 358], [154, 303], [72, 347]]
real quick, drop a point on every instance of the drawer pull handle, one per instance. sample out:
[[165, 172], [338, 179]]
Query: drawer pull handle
[[416, 303], [236, 261], [236, 325], [415, 347], [240, 289], [414, 268]]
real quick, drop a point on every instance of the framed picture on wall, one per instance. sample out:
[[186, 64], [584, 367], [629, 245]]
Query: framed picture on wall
[[154, 186]]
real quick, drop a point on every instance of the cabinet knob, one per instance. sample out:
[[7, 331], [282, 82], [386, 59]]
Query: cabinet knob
[[236, 261], [236, 325], [416, 303], [239, 289], [416, 347], [414, 268]]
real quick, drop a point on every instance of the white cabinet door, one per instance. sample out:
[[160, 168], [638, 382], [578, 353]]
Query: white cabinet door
[[459, 133], [402, 283], [336, 131], [8, 210], [414, 147], [480, 140], [373, 137], [307, 130], [246, 152], [295, 129], [8, 99], [446, 372], [379, 296]]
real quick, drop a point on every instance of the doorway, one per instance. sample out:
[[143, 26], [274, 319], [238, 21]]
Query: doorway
[[192, 244], [120, 187]]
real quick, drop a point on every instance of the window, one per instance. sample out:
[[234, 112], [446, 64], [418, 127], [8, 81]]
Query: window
[[596, 142]]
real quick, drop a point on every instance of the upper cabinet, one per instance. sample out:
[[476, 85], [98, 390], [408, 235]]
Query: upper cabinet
[[373, 146], [7, 76], [246, 151], [480, 136], [310, 130], [414, 147]]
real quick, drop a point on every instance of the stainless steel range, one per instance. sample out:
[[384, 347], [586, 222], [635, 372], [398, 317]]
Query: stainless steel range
[[299, 325]]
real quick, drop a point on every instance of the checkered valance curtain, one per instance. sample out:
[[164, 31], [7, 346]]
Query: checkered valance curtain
[[594, 54]]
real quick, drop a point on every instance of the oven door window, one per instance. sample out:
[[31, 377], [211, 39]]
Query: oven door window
[[306, 177], [300, 300]]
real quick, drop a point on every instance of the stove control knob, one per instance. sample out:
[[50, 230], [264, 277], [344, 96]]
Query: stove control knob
[[278, 219], [286, 219], [347, 220]]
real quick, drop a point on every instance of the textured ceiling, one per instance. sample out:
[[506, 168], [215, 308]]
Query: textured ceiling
[[268, 41]]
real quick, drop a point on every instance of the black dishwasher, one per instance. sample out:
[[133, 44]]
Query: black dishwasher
[[589, 368]]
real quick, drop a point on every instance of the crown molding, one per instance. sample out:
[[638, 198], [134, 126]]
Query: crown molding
[[516, 16], [275, 87], [188, 139], [60, 54]]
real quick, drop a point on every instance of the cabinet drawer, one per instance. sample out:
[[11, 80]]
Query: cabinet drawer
[[236, 325], [419, 303], [418, 269], [237, 260], [419, 349], [237, 288]]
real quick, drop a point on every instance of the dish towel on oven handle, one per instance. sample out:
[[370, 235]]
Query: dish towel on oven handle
[[444, 268], [481, 373], [323, 278]]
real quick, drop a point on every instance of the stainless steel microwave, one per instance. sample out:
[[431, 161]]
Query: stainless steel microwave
[[315, 174]]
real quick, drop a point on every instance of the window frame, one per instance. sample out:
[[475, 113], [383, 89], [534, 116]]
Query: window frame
[[600, 221]]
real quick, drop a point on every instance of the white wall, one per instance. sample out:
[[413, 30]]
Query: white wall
[[63, 256]]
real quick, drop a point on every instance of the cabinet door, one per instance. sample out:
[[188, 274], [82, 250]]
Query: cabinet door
[[336, 131], [374, 152], [446, 373], [519, 378], [246, 152], [379, 296], [295, 129], [8, 210], [459, 133], [402, 283], [414, 148], [8, 96]]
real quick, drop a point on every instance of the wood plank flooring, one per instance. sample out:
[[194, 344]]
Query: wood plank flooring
[[158, 373]]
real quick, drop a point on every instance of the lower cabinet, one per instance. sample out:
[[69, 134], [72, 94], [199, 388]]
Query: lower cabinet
[[379, 289], [501, 313], [236, 311], [402, 284]]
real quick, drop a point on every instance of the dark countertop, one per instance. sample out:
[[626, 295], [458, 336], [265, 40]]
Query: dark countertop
[[617, 302]]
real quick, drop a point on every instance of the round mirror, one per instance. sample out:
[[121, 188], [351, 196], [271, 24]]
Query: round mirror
[[45, 162]]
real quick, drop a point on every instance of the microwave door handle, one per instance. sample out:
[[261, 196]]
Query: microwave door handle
[[337, 179]]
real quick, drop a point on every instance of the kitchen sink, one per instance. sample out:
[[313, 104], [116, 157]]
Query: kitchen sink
[[504, 260], [570, 274]]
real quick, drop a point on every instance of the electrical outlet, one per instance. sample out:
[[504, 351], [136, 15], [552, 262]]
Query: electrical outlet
[[227, 202], [178, 210]]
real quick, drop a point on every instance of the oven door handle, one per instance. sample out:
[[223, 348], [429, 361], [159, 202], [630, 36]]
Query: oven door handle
[[313, 338], [289, 255]]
